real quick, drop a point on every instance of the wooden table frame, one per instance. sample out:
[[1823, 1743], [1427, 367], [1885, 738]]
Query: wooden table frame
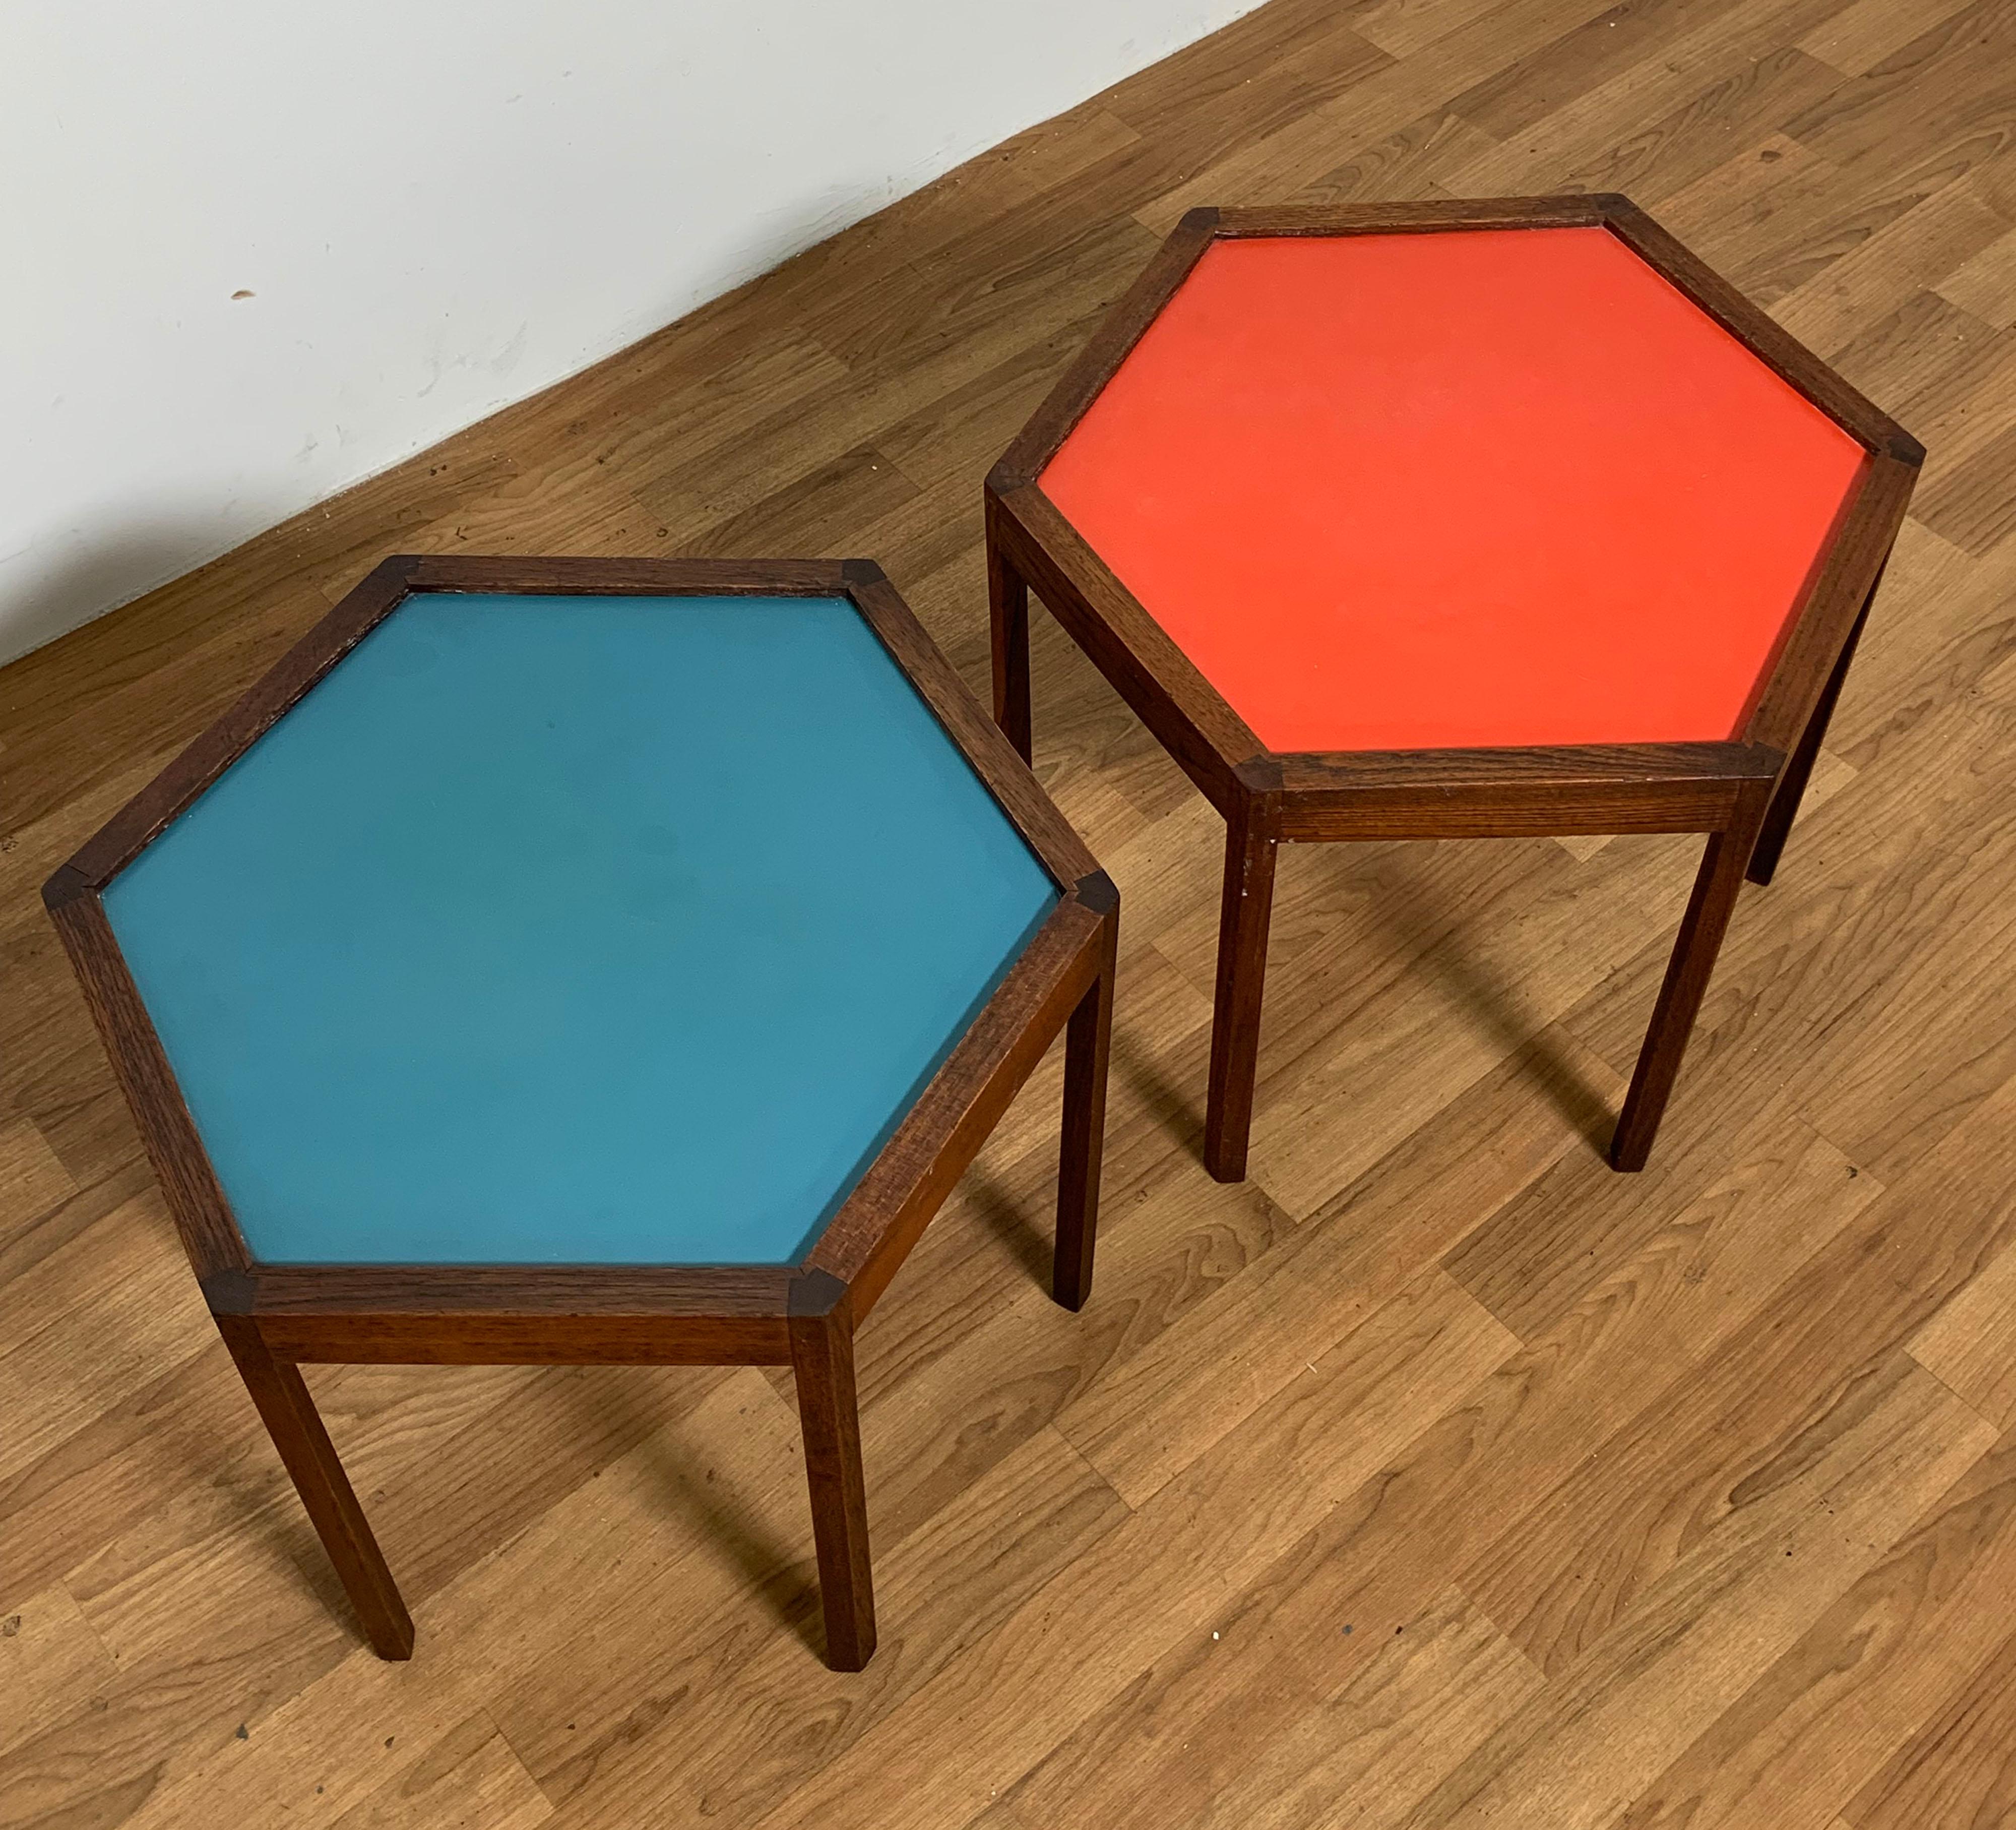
[[274, 1318], [1742, 793]]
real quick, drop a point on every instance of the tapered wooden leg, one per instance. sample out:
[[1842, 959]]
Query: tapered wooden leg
[[1707, 920], [822, 1362], [1793, 778], [1008, 603], [1088, 1042], [1244, 911], [296, 1427]]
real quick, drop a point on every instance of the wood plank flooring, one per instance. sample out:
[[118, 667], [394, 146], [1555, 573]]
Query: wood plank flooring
[[1437, 1477]]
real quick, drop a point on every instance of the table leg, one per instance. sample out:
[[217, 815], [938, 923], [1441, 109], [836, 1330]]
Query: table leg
[[296, 1427], [1707, 920], [1008, 603], [829, 1414], [1088, 1043], [1792, 778], [1244, 911]]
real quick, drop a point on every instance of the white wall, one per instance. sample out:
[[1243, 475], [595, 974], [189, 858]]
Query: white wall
[[438, 206]]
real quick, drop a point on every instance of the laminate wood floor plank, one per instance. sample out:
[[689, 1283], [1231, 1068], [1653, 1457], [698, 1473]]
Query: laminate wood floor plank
[[1821, 1720], [1969, 502], [1824, 951], [1928, 357], [1311, 55], [1961, 1768], [1616, 1715], [108, 1479], [1744, 101], [1418, 1702], [1887, 266], [1770, 1407], [1414, 969], [1079, 1641], [437, 1762], [105, 1313], [1370, 1751], [1170, 1400], [1592, 51], [1744, 216], [699, 1727], [32, 1177], [1948, 83], [1281, 162], [1867, 34], [1384, 1553], [1605, 120], [1943, 624], [1413, 162], [51, 1664], [1970, 1346], [1084, 725], [1574, 1229], [1540, 1436], [1985, 285], [1283, 1670], [32, 1236]]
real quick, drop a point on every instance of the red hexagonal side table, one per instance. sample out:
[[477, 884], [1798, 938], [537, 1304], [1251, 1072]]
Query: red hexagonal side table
[[1464, 519]]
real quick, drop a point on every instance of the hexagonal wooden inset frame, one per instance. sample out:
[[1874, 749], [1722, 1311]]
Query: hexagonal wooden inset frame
[[1743, 792], [275, 1318]]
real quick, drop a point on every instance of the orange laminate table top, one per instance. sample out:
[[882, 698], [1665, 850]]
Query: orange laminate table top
[[1471, 487]]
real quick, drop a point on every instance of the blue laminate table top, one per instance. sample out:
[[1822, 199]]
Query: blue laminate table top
[[575, 929]]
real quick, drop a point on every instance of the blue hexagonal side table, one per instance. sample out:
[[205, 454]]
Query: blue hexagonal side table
[[590, 960]]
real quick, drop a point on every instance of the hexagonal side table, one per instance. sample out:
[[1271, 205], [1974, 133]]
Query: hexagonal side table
[[1464, 519], [587, 960]]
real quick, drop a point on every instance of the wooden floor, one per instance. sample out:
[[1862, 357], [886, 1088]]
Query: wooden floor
[[1437, 1476]]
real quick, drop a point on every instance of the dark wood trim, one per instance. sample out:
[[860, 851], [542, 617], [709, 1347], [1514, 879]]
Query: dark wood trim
[[872, 1234], [822, 1333], [1430, 216], [1008, 621], [296, 1427], [270, 1292], [1817, 634], [1033, 813], [116, 844], [1121, 328], [534, 1337], [1148, 670], [514, 1315], [1760, 332], [1724, 860], [1500, 794], [1791, 787], [1246, 912], [1718, 787], [277, 1316], [508, 574], [1088, 1045], [194, 1198]]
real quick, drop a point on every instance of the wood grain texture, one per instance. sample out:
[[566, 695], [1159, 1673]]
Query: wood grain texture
[[1961, 1768], [822, 1327], [297, 1429], [1246, 908], [1538, 1435]]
